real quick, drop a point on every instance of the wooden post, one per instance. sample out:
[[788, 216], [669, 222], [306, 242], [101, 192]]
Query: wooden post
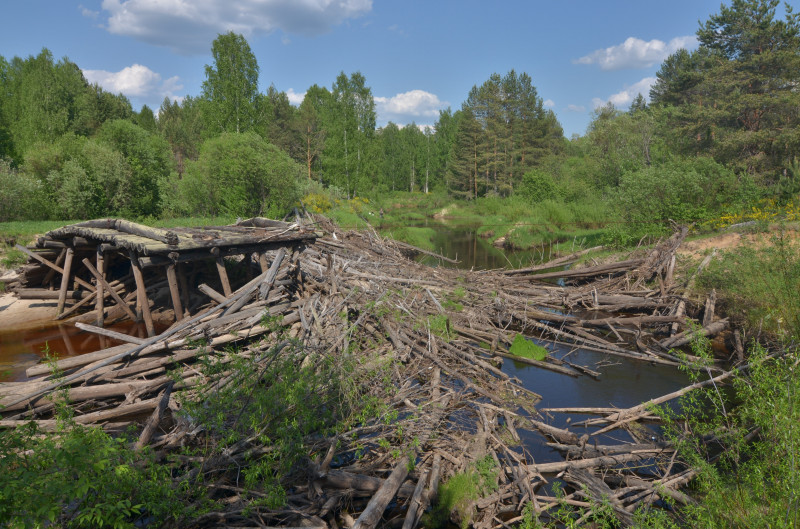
[[223, 277], [172, 279], [181, 270], [141, 295], [62, 296], [99, 303], [50, 273], [262, 261]]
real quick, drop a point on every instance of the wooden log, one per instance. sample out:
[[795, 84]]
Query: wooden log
[[708, 312], [588, 271], [83, 302], [109, 333], [62, 296], [43, 293], [594, 462], [415, 502], [172, 279], [51, 272], [210, 292], [184, 287], [598, 492], [223, 277], [100, 289], [141, 295], [154, 419], [156, 234], [370, 516], [104, 285], [685, 337], [561, 261]]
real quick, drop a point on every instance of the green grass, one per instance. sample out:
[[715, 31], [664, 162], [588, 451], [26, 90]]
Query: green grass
[[419, 237], [527, 349]]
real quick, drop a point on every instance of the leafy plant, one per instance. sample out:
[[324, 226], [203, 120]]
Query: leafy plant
[[525, 348]]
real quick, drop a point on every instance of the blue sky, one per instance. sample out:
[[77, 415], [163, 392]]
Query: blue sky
[[417, 56]]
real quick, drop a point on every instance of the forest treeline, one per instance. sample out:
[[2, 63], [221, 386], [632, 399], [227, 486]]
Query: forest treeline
[[721, 130]]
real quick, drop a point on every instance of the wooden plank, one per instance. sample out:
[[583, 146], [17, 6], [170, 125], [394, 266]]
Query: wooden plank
[[62, 295]]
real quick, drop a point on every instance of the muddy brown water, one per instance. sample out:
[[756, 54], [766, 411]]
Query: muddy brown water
[[20, 349]]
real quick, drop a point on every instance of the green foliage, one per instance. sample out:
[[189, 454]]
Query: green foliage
[[684, 190], [457, 494], [743, 445], [231, 86], [527, 349], [148, 156], [538, 186], [760, 286], [80, 477], [239, 174], [21, 196]]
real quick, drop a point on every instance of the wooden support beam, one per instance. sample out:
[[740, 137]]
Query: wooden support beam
[[100, 297], [184, 287], [62, 296], [58, 269], [141, 295], [109, 333], [172, 279], [50, 273], [223, 277], [102, 284], [262, 262]]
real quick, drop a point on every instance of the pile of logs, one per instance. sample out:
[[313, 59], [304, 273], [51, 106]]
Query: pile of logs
[[445, 332]]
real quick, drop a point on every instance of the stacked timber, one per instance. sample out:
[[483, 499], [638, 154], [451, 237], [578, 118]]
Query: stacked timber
[[436, 332]]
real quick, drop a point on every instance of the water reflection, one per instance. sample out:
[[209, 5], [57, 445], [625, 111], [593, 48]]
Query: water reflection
[[20, 349], [474, 252], [623, 383]]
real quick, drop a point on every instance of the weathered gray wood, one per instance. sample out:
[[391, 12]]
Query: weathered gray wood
[[142, 303], [101, 281], [372, 514], [109, 333], [62, 294], [100, 296], [172, 279]]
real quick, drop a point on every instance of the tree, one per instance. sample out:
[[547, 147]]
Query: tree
[[350, 126], [736, 96], [149, 157], [311, 124], [241, 174], [182, 126], [231, 86]]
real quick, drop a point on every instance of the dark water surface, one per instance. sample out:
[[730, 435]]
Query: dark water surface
[[474, 252], [20, 349]]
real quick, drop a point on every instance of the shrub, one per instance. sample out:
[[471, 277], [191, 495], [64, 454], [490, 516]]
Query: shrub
[[240, 174]]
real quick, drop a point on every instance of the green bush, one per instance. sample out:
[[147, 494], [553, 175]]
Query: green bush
[[538, 186], [21, 196], [684, 190], [239, 174]]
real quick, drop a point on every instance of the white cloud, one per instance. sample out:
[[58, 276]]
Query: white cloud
[[636, 53], [624, 97], [294, 97], [88, 13], [189, 26], [409, 106], [135, 81], [576, 108], [549, 103]]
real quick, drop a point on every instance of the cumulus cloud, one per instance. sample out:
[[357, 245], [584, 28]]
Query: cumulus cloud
[[88, 13], [294, 97], [576, 108], [409, 106], [636, 53], [549, 103], [624, 97], [136, 81], [189, 26]]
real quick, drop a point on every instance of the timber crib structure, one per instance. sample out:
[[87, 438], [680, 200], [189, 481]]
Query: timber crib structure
[[120, 268]]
